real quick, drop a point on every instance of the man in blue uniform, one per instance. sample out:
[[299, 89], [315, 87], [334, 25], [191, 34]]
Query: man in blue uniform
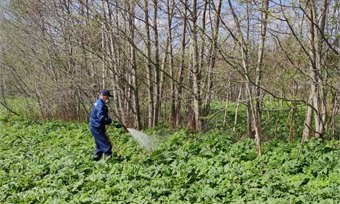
[[98, 119]]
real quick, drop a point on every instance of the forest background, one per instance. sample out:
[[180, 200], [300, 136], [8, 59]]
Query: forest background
[[184, 63]]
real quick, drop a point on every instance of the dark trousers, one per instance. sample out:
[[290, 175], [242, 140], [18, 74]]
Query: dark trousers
[[103, 144]]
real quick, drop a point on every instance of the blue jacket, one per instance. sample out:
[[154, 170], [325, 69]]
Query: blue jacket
[[99, 115]]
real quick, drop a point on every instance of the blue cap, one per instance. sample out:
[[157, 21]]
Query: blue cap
[[105, 92]]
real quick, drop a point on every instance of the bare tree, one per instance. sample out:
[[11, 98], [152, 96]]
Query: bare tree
[[131, 8], [149, 65], [264, 17], [212, 59], [157, 98], [194, 66], [180, 76]]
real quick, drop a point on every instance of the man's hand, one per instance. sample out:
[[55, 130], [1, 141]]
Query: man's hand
[[118, 125], [109, 120]]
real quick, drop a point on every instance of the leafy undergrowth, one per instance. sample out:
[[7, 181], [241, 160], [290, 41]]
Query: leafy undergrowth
[[50, 162]]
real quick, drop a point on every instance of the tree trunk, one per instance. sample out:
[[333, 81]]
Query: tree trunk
[[133, 64], [149, 65], [157, 98], [195, 69], [212, 60], [237, 107], [103, 41], [264, 17], [255, 120], [169, 50], [180, 76], [318, 98]]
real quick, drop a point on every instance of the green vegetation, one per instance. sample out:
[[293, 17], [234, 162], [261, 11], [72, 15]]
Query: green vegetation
[[23, 106], [50, 162], [226, 72]]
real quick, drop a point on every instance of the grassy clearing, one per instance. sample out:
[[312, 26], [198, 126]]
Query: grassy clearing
[[50, 162]]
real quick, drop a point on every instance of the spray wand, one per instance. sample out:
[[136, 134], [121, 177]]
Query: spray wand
[[119, 125]]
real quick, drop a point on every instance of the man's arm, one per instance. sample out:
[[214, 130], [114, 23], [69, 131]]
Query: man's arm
[[102, 115]]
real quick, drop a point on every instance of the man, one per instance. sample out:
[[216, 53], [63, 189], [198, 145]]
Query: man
[[98, 119]]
